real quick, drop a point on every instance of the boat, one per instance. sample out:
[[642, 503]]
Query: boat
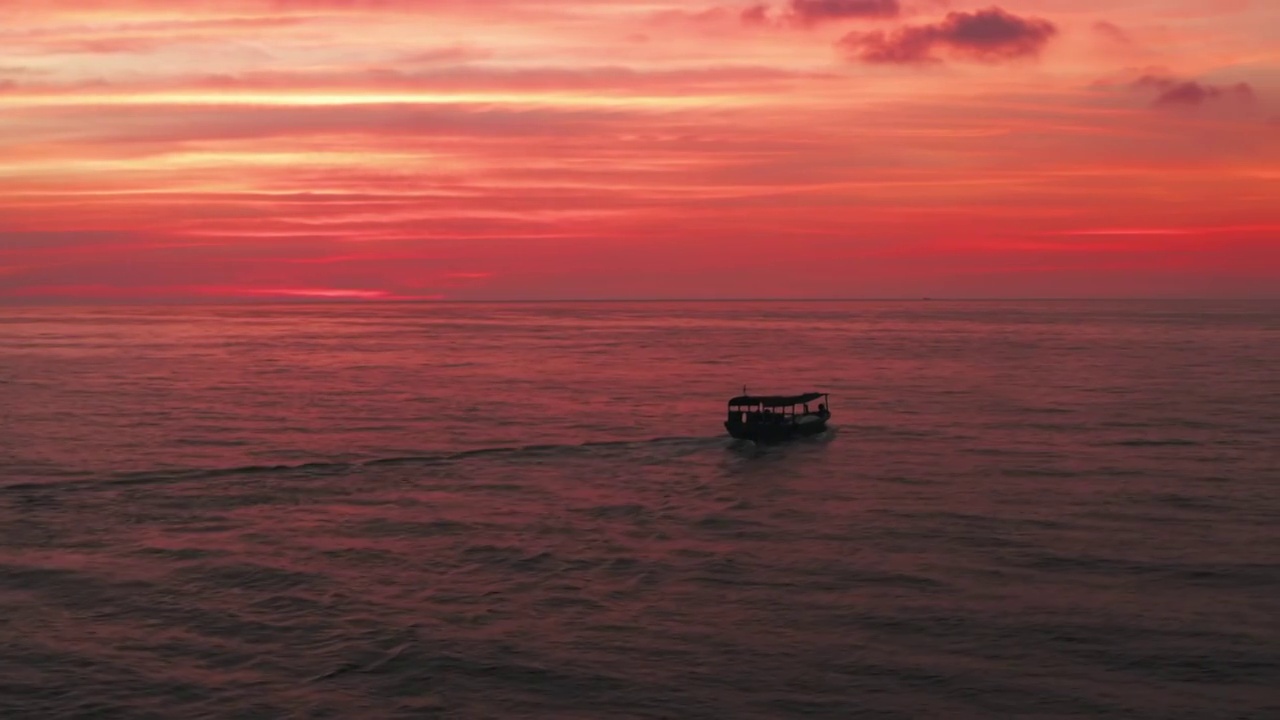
[[771, 418]]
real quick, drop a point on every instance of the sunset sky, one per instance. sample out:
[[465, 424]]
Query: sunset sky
[[502, 149]]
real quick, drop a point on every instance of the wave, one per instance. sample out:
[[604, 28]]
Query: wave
[[320, 468]]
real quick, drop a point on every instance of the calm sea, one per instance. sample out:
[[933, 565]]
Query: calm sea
[[1033, 510]]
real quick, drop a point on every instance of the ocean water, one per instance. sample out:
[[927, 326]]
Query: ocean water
[[1032, 510]]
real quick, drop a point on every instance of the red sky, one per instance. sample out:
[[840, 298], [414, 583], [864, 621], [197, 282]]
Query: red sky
[[503, 149]]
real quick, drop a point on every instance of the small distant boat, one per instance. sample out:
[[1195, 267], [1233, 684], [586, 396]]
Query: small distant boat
[[770, 418]]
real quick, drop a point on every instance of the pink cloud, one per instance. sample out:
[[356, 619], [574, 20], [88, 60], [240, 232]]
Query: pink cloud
[[809, 12], [1172, 92], [756, 15], [1112, 32], [990, 35]]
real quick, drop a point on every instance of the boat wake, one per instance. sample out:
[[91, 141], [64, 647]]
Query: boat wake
[[329, 468]]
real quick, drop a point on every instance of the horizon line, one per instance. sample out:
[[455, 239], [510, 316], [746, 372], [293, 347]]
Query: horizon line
[[68, 302]]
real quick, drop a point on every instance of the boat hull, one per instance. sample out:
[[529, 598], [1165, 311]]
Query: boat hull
[[768, 432]]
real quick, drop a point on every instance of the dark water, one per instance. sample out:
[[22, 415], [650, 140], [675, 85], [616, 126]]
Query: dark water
[[1041, 510]]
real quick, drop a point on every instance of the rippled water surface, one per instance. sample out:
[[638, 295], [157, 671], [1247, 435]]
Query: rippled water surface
[[1042, 510]]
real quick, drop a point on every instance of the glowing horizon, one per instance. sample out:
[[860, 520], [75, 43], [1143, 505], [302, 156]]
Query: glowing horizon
[[578, 149]]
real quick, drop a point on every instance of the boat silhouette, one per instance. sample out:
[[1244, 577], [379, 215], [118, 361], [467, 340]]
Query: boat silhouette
[[772, 418]]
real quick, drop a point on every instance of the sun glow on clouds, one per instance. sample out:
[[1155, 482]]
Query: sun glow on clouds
[[326, 293], [324, 149]]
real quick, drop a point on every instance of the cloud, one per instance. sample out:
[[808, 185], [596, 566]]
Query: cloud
[[1112, 32], [510, 85], [17, 70], [108, 45], [756, 15], [812, 12], [447, 55], [1172, 92], [990, 35]]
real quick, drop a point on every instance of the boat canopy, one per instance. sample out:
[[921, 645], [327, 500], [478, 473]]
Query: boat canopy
[[776, 401]]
